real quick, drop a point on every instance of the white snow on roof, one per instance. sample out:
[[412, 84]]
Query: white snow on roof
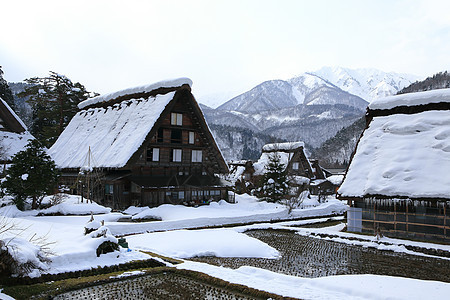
[[283, 146], [13, 142], [411, 99], [335, 179], [260, 165], [114, 133], [140, 89], [402, 155]]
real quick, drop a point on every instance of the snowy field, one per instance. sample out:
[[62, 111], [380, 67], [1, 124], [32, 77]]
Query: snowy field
[[72, 250]]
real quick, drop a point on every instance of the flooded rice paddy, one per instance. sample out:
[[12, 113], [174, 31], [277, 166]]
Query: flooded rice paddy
[[311, 257], [159, 286], [300, 256]]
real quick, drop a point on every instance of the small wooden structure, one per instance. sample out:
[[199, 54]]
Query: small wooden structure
[[151, 144], [397, 183]]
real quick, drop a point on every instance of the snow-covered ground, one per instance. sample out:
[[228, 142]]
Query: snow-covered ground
[[72, 250], [331, 287]]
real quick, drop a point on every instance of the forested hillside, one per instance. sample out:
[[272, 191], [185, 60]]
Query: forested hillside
[[440, 80]]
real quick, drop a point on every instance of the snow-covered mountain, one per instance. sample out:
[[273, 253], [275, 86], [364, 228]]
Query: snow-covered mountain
[[366, 83], [311, 107], [269, 95], [328, 85], [307, 89]]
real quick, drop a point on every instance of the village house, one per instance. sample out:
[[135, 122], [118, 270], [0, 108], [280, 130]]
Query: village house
[[143, 146], [398, 183], [13, 134], [247, 175]]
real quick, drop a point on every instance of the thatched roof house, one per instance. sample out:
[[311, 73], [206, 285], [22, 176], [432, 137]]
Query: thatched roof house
[[151, 143], [13, 133], [292, 156], [398, 178]]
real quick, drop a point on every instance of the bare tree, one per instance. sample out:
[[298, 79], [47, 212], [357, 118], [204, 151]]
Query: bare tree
[[298, 193]]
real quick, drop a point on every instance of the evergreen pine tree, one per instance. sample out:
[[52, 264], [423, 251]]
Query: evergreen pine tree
[[274, 185], [5, 91], [32, 174], [54, 101]]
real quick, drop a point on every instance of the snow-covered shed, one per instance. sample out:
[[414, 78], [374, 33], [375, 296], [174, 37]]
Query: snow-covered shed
[[150, 145], [398, 179], [13, 133]]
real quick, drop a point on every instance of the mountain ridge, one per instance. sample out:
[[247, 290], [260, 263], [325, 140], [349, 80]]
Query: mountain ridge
[[311, 107]]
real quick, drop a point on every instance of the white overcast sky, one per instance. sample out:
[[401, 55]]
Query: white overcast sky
[[222, 46]]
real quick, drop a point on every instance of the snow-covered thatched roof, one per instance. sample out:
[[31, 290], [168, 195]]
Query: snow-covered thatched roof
[[411, 99], [283, 146], [14, 136], [114, 132], [263, 161], [405, 155], [283, 150], [136, 90]]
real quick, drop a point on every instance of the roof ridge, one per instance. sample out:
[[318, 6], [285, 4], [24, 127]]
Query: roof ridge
[[160, 87]]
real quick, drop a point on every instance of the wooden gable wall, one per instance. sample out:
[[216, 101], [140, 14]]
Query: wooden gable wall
[[166, 137], [8, 122]]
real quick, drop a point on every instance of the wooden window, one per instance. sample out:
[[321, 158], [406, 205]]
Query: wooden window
[[295, 166], [191, 137], [109, 188], [176, 119], [176, 155], [153, 154], [196, 155], [160, 135], [176, 136]]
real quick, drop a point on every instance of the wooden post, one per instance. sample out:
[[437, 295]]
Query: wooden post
[[395, 216], [374, 217], [406, 202], [445, 220]]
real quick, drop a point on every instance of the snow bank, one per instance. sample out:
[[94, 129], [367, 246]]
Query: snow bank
[[208, 242], [411, 99], [246, 205], [72, 205], [140, 89], [25, 253], [402, 155], [247, 210], [332, 287]]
